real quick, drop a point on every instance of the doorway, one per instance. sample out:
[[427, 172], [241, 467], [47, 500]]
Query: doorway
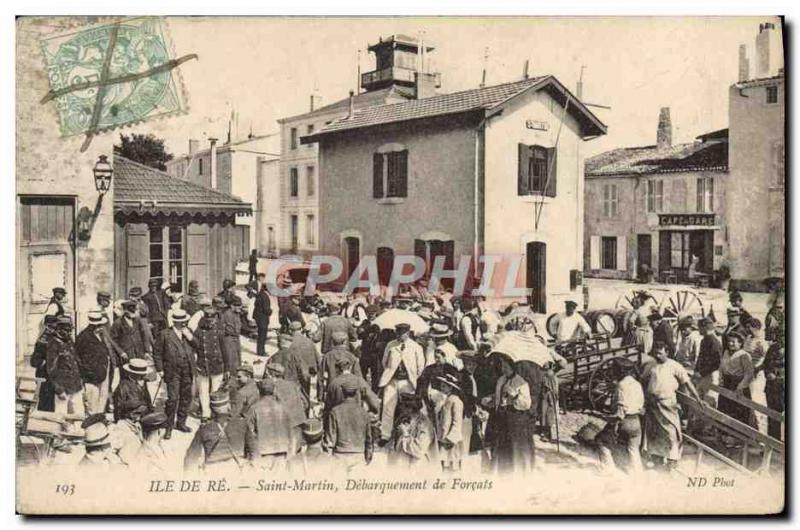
[[644, 251], [385, 259], [536, 275]]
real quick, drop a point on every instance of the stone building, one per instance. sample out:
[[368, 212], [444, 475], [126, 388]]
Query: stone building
[[657, 206], [65, 234], [462, 174], [245, 168], [756, 195], [392, 81]]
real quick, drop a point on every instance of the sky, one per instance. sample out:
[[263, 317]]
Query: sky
[[266, 68]]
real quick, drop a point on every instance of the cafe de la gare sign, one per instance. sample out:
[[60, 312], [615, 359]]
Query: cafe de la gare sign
[[686, 219]]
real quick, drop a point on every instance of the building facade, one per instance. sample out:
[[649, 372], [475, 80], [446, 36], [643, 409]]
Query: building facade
[[240, 168], [65, 234], [756, 193], [392, 81], [462, 175], [174, 230], [657, 208]]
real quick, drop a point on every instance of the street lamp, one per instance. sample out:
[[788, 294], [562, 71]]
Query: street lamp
[[102, 174]]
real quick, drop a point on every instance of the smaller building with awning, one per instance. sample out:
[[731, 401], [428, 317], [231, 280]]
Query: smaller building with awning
[[170, 229]]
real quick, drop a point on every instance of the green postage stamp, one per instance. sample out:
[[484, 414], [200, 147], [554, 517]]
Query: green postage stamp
[[113, 74]]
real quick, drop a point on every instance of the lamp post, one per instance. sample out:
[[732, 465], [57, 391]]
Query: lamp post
[[102, 174]]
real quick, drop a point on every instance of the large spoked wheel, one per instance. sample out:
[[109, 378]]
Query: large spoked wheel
[[601, 386], [683, 303], [625, 301]]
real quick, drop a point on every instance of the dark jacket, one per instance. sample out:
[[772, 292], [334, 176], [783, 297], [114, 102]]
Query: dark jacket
[[709, 357], [214, 442], [135, 339], [369, 334], [334, 395], [262, 308], [63, 370], [129, 396], [348, 429], [306, 353], [169, 351], [157, 306], [93, 356], [208, 345], [663, 333], [331, 325], [328, 370]]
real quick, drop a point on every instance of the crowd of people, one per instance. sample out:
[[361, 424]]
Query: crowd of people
[[647, 416], [338, 391]]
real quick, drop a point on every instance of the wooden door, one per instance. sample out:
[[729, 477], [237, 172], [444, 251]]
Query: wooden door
[[46, 231], [536, 275], [644, 250]]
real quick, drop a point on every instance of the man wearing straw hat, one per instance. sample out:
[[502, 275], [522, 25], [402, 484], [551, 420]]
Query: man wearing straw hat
[[174, 357], [95, 360], [224, 443], [131, 394], [97, 441]]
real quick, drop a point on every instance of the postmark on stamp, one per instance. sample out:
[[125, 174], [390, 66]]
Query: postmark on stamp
[[111, 75]]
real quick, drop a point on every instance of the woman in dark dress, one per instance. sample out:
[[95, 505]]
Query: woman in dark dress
[[511, 424]]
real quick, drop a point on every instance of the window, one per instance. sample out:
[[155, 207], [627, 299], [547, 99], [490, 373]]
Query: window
[[535, 162], [310, 229], [310, 181], [310, 131], [293, 138], [705, 194], [166, 255], [293, 184], [390, 174], [772, 94], [655, 196], [293, 234], [608, 257], [679, 250], [200, 166], [778, 160], [610, 200]]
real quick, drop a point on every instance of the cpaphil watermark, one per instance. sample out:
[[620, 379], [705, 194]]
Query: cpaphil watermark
[[489, 276]]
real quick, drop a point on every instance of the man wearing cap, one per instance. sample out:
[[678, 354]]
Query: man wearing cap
[[348, 433], [570, 325], [211, 363], [230, 323], [333, 324], [403, 362], [280, 414], [302, 363], [157, 306], [262, 310], [334, 394], [224, 443], [335, 357], [175, 358], [97, 441], [688, 348], [735, 325], [736, 301], [204, 306], [151, 455], [227, 293], [132, 393], [95, 361], [39, 362], [370, 359], [135, 295], [189, 302], [57, 304], [244, 395], [63, 370], [662, 332], [709, 356]]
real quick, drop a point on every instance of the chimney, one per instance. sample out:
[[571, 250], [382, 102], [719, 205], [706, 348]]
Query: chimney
[[664, 134], [351, 109], [525, 70], [425, 85], [769, 51], [194, 146], [213, 163], [744, 64]]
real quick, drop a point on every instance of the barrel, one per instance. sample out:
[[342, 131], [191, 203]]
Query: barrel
[[601, 321]]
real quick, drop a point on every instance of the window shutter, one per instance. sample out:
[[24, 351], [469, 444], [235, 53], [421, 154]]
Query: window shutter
[[522, 172], [138, 254], [622, 253], [401, 173], [594, 252], [197, 255], [552, 164], [377, 176]]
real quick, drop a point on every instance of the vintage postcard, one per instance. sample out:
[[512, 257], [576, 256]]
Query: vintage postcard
[[400, 265]]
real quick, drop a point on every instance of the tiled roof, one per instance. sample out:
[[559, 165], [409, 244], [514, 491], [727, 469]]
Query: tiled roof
[[141, 186], [695, 156], [365, 99], [457, 102]]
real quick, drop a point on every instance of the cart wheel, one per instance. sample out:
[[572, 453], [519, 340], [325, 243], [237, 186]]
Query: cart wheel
[[681, 303], [601, 386], [624, 301]]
